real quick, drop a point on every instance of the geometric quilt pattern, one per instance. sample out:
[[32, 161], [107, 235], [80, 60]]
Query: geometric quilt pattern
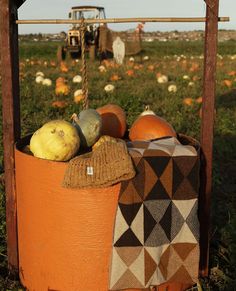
[[156, 230]]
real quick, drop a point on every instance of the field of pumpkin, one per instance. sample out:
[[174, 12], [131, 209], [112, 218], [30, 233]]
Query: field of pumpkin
[[166, 79]]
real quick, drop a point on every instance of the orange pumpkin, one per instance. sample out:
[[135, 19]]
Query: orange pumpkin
[[150, 127], [188, 101], [130, 72], [63, 67], [227, 83], [115, 77], [59, 104], [113, 120], [62, 89]]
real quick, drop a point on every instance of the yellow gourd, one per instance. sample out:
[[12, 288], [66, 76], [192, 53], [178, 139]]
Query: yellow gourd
[[56, 140]]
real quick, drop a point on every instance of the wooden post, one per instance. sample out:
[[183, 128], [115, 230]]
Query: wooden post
[[207, 130], [11, 118]]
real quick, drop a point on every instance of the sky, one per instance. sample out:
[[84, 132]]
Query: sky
[[58, 9]]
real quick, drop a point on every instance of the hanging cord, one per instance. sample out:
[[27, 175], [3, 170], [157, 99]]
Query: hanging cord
[[84, 67]]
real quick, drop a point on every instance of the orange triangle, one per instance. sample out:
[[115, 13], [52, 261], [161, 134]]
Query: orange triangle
[[128, 254], [150, 178], [130, 195], [183, 249], [166, 178], [150, 266], [182, 276]]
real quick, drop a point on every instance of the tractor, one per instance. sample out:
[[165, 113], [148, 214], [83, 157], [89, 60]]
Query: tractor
[[73, 39], [99, 38]]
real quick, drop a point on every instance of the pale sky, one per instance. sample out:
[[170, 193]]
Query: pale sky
[[58, 9]]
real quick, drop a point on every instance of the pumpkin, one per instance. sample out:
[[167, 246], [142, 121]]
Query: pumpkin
[[162, 79], [60, 80], [47, 82], [59, 104], [63, 67], [56, 140], [77, 79], [130, 73], [63, 89], [115, 77], [199, 100], [78, 96], [150, 127], [39, 79], [113, 120], [188, 101], [109, 88], [88, 124], [102, 139], [172, 88], [227, 83]]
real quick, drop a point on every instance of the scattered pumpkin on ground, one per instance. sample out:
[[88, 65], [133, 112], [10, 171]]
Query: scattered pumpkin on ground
[[188, 101]]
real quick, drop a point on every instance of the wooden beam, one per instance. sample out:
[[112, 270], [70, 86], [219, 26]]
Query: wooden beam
[[118, 20], [11, 118], [207, 129]]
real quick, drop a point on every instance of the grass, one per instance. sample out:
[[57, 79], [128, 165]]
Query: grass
[[175, 59]]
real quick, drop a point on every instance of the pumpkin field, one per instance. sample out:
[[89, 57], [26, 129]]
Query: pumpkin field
[[167, 77]]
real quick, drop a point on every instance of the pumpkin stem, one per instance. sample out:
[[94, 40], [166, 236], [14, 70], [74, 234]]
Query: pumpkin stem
[[74, 117], [147, 107]]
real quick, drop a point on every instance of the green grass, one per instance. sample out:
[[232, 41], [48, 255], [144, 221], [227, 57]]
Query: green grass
[[175, 60]]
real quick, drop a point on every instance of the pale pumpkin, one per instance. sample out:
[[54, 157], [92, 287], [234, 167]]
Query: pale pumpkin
[[89, 125], [149, 127], [56, 140]]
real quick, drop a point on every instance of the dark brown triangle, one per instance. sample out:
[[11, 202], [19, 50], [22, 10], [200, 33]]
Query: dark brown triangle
[[150, 266], [129, 239], [185, 191], [129, 211], [185, 164], [166, 220], [157, 192], [149, 223], [177, 177], [183, 249], [193, 176], [158, 164], [139, 179]]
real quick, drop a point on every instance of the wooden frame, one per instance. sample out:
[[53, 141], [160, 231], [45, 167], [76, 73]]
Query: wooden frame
[[11, 121]]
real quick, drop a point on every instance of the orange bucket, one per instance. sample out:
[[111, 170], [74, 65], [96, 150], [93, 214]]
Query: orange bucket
[[64, 235]]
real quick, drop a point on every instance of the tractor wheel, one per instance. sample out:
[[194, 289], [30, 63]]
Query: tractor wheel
[[74, 55], [61, 54]]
